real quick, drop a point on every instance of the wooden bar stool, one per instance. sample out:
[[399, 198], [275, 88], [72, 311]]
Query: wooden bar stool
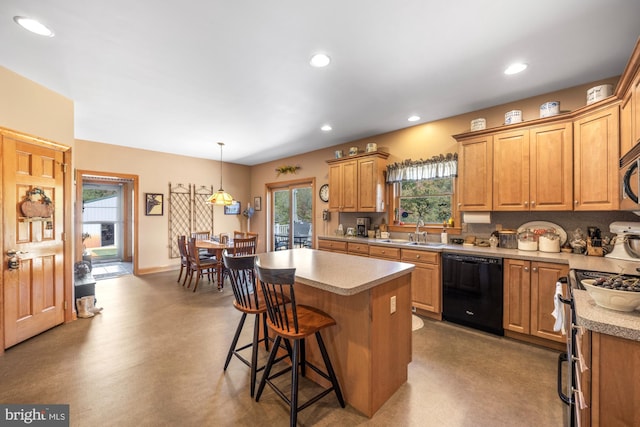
[[293, 323], [249, 300]]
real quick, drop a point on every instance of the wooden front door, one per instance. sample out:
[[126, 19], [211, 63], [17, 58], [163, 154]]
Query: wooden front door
[[33, 293]]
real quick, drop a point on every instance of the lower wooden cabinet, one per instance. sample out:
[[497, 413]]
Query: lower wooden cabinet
[[384, 252], [426, 286], [611, 383], [355, 248], [529, 289], [332, 246]]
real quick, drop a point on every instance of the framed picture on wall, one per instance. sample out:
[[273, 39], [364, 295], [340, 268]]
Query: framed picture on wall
[[257, 203], [154, 204], [232, 209]]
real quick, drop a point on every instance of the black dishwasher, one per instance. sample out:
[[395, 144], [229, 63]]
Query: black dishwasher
[[472, 291]]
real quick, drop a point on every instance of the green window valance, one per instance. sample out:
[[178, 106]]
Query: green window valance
[[442, 166]]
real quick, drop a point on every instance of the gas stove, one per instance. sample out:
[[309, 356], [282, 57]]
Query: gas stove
[[578, 275]]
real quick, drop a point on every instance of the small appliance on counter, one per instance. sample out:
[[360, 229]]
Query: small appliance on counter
[[626, 240], [362, 226]]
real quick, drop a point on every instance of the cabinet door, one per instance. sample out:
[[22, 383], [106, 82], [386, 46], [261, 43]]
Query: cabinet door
[[342, 186], [543, 288], [332, 246], [627, 123], [596, 157], [511, 171], [335, 187], [475, 172], [517, 295], [551, 167], [361, 249], [635, 119], [370, 185], [426, 286]]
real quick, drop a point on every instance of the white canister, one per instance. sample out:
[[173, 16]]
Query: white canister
[[371, 147], [598, 93], [353, 151], [549, 242], [549, 109], [513, 116], [478, 124]]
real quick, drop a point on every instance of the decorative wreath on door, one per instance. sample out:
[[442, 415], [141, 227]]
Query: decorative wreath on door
[[42, 208]]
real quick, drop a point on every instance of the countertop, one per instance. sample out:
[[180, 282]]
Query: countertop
[[333, 272], [589, 315]]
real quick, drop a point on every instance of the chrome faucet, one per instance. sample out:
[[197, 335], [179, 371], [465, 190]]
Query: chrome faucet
[[420, 223]]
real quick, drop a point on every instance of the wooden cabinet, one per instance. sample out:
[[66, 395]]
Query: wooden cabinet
[[611, 384], [343, 178], [355, 248], [332, 246], [533, 169], [426, 287], [384, 252], [357, 184], [596, 160], [628, 91], [475, 174], [529, 289]]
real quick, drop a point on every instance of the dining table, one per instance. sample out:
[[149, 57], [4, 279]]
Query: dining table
[[216, 248]]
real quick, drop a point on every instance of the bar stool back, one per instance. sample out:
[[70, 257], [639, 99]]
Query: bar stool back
[[248, 300], [293, 322]]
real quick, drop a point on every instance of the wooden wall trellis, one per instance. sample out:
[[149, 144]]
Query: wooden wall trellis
[[188, 212]]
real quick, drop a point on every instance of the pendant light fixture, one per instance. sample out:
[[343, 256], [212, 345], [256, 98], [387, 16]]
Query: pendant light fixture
[[220, 197]]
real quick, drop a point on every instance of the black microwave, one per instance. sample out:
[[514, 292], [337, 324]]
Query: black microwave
[[630, 180]]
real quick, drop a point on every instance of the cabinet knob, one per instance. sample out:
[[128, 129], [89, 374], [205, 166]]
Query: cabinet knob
[[575, 202], [526, 203], [533, 203], [526, 269], [534, 269], [418, 256], [459, 204]]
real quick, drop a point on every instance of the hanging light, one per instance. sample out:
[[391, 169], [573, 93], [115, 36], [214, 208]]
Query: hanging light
[[220, 197]]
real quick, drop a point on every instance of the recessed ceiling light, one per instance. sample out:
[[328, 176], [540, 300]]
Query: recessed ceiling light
[[516, 68], [33, 26], [326, 128], [414, 118], [320, 60]]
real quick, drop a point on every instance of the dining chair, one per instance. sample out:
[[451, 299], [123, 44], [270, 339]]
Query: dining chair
[[294, 323], [201, 235], [241, 247], [199, 266], [248, 299], [184, 259]]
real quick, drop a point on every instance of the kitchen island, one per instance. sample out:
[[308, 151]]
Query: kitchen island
[[370, 299]]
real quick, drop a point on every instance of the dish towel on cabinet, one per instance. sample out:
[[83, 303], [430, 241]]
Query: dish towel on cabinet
[[558, 310]]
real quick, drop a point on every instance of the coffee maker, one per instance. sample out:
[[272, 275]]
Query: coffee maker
[[362, 226]]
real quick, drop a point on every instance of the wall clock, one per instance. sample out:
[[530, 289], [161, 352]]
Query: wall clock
[[324, 193]]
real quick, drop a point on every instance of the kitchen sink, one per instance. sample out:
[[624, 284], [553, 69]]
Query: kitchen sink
[[432, 244], [394, 241]]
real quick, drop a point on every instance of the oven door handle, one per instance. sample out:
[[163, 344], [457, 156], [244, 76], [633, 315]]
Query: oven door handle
[[626, 182], [562, 357]]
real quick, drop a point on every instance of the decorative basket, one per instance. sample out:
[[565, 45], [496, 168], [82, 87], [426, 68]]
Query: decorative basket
[[42, 208]]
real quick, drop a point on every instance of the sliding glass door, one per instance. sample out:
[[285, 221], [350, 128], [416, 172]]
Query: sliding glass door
[[292, 216]]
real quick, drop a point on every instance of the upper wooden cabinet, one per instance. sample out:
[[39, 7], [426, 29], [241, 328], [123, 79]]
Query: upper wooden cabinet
[[596, 146], [628, 91], [533, 169], [475, 172], [356, 184]]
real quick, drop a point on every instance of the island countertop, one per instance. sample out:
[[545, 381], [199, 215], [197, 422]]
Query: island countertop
[[334, 272]]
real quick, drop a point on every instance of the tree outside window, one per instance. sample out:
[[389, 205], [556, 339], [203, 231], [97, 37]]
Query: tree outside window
[[431, 200]]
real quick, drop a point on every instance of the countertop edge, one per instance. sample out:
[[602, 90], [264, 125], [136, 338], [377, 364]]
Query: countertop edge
[[598, 319], [352, 291]]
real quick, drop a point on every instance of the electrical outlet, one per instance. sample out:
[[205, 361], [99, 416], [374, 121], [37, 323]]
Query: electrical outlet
[[499, 227], [393, 304]]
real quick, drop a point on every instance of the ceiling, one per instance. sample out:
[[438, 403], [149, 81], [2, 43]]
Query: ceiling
[[180, 76]]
